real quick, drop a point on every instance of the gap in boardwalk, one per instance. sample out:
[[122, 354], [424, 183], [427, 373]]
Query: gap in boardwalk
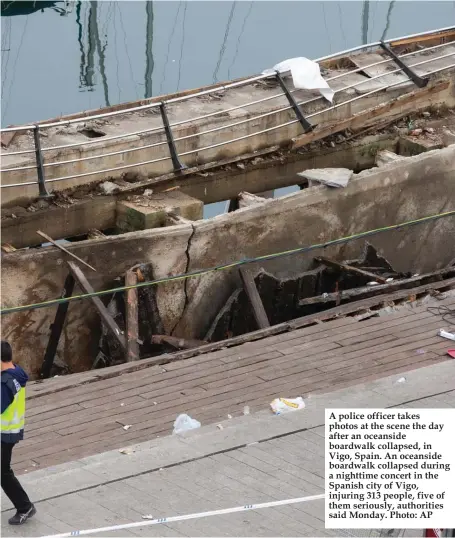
[[326, 285]]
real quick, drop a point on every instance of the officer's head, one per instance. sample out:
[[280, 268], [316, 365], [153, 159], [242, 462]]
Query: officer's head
[[7, 354]]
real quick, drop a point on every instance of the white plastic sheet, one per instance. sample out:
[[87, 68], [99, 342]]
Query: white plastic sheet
[[306, 75], [184, 423]]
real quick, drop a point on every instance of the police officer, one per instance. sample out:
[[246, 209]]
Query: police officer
[[14, 380]]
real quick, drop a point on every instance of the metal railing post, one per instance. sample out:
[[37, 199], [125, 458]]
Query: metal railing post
[[303, 121], [43, 192], [178, 166], [419, 81]]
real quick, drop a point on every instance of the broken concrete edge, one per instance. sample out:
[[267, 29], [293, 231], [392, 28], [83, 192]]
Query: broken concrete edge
[[331, 177], [172, 178], [239, 432], [72, 219], [84, 378]]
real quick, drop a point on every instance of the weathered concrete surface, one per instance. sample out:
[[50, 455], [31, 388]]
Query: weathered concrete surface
[[405, 190], [401, 191], [254, 458], [229, 141], [414, 145]]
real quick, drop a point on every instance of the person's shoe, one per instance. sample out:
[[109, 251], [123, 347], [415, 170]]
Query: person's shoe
[[20, 519]]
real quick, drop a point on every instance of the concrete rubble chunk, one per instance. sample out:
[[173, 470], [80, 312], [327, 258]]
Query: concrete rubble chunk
[[108, 187], [385, 157], [332, 177], [448, 137], [247, 199]]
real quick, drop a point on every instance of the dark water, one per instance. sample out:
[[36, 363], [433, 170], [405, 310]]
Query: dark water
[[101, 53], [64, 57]]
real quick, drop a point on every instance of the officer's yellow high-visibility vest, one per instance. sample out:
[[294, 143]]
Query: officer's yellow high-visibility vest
[[13, 418]]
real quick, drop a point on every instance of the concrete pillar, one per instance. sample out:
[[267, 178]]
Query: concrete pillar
[[145, 212]]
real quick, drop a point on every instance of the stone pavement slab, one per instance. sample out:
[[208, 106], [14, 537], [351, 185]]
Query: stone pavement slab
[[253, 459]]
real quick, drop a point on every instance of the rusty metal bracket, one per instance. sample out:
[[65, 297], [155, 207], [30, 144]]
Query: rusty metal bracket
[[178, 166], [307, 127], [419, 81], [43, 192]]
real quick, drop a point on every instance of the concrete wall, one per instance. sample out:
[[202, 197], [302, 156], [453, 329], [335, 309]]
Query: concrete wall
[[404, 190], [264, 116]]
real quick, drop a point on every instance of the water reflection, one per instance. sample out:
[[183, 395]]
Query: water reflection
[[104, 53]]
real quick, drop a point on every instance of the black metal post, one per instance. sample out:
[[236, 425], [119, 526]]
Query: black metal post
[[303, 121], [418, 80], [178, 166], [232, 205], [56, 328], [43, 192]]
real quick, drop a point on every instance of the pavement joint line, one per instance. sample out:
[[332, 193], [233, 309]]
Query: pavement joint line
[[215, 453], [169, 466], [148, 522]]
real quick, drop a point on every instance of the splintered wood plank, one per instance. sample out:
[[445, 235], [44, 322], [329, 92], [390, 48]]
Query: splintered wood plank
[[132, 317], [255, 300], [365, 60]]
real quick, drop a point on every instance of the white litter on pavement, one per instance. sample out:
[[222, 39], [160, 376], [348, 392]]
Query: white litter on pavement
[[184, 423], [285, 405]]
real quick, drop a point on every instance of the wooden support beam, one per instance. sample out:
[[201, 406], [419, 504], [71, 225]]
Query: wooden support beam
[[350, 269], [371, 291], [106, 318], [57, 328], [253, 295], [132, 318], [178, 343]]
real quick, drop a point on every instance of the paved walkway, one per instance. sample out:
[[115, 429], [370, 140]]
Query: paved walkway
[[255, 458], [65, 423]]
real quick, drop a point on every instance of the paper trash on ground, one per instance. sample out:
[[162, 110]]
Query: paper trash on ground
[[285, 405], [306, 75]]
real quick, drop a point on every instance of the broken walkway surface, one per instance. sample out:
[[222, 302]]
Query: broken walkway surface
[[83, 414]]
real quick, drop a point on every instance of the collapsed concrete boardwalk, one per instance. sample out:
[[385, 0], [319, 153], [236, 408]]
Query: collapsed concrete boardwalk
[[84, 414], [253, 459]]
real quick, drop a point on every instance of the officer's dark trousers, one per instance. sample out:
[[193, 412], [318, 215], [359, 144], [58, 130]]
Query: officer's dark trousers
[[10, 484]]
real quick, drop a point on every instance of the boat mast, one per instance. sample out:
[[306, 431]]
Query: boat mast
[[149, 62]]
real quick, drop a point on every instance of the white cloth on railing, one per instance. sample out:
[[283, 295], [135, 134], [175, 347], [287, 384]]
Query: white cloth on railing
[[306, 75]]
